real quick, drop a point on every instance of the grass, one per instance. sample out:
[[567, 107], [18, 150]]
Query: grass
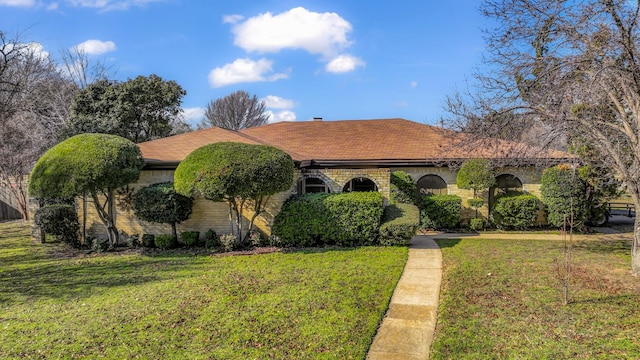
[[502, 299], [314, 304]]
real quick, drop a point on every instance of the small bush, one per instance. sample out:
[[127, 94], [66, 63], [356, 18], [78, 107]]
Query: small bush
[[98, 245], [149, 240], [228, 242], [165, 241], [189, 238], [60, 220], [403, 188], [211, 239], [133, 241], [475, 203], [515, 211], [476, 224], [399, 224], [440, 211]]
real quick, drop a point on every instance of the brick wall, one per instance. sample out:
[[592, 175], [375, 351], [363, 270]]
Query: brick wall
[[529, 176]]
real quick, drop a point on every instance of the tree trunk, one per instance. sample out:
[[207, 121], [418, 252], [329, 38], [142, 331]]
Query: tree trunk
[[635, 246], [174, 231], [105, 213]]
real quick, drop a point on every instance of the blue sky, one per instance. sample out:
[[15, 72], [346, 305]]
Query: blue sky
[[334, 59]]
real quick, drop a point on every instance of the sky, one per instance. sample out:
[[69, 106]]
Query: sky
[[335, 59]]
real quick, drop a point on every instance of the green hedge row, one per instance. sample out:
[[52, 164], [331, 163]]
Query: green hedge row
[[399, 224], [347, 219], [515, 211], [440, 211]]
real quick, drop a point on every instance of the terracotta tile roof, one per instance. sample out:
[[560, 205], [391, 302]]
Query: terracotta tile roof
[[349, 141]]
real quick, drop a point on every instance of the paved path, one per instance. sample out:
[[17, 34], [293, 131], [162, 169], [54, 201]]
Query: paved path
[[407, 329]]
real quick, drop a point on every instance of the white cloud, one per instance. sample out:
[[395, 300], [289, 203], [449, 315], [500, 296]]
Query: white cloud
[[96, 47], [285, 115], [298, 28], [244, 70], [232, 19], [276, 102], [343, 64], [413, 84], [23, 3], [52, 6], [193, 115]]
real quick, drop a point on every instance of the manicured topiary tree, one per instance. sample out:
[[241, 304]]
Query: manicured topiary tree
[[160, 203], [476, 175], [243, 175], [91, 164]]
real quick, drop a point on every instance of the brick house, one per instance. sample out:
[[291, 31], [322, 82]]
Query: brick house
[[337, 156]]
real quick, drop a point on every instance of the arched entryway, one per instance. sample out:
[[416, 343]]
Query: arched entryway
[[432, 185], [505, 184]]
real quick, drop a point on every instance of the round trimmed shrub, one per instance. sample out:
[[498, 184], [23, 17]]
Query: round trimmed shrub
[[515, 211], [165, 241], [60, 220], [160, 203], [440, 211], [211, 239], [189, 238], [476, 175], [148, 240]]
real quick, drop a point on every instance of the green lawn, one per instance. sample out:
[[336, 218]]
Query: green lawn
[[297, 305], [502, 299]]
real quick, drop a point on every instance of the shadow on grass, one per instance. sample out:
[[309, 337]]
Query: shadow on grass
[[610, 300], [447, 243], [79, 278], [317, 250], [604, 246]]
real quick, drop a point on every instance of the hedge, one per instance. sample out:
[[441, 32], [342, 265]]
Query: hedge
[[60, 220], [440, 211], [403, 188], [515, 211], [399, 224], [347, 219]]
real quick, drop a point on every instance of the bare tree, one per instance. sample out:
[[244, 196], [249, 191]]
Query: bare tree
[[235, 111], [568, 69], [81, 69], [34, 101]]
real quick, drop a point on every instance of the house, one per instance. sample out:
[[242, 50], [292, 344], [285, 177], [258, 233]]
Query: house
[[338, 156]]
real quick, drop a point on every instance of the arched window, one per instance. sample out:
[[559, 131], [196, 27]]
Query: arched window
[[507, 183], [312, 185], [432, 185], [360, 184]]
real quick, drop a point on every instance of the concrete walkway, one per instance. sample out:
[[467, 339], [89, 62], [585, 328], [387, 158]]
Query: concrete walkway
[[407, 329]]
